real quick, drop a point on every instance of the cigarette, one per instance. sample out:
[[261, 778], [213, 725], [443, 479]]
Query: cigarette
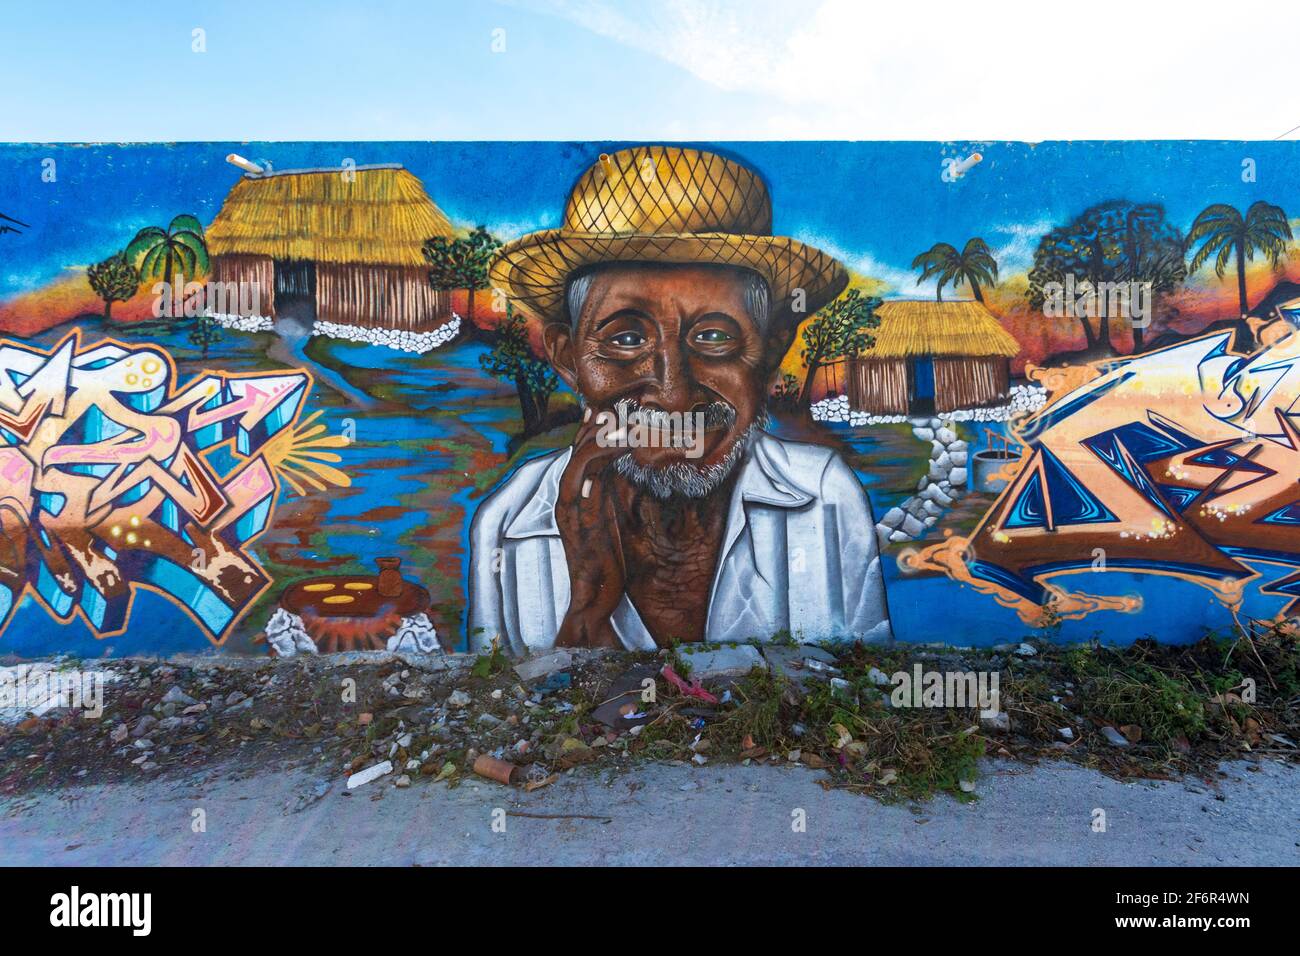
[[586, 488], [966, 164], [234, 159]]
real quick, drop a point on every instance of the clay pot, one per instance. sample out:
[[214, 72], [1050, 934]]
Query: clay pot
[[390, 579]]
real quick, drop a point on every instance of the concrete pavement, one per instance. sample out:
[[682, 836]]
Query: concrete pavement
[[660, 815]]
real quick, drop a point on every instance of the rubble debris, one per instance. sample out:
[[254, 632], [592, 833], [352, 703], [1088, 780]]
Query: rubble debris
[[430, 718], [622, 703], [685, 688], [1000, 722], [1114, 737], [531, 668], [725, 661], [499, 770], [363, 777]]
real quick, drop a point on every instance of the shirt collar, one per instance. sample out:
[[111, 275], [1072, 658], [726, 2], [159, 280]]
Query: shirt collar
[[766, 478]]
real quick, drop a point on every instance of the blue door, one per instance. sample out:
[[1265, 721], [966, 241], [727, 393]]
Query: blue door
[[922, 379]]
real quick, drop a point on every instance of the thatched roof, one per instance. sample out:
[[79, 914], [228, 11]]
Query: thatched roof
[[911, 329], [381, 217]]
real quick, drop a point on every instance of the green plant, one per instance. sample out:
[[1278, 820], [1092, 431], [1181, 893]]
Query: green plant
[[839, 330], [786, 391], [757, 713], [461, 262], [1164, 706], [945, 762], [205, 332], [163, 253], [491, 663], [1114, 241], [113, 280], [512, 360], [974, 265], [1227, 235]]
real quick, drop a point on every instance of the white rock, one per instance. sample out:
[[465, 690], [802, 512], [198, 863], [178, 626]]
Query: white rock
[[725, 662], [363, 777], [1114, 737], [999, 721], [458, 700], [541, 665]]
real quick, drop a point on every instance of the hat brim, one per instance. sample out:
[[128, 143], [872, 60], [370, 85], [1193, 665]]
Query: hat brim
[[533, 269]]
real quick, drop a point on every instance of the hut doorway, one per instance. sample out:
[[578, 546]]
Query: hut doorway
[[922, 397], [295, 290]]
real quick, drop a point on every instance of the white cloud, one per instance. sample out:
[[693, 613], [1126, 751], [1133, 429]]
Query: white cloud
[[505, 230], [902, 282], [955, 69], [1016, 254]]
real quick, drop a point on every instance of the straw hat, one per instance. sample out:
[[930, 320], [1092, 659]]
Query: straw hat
[[664, 204]]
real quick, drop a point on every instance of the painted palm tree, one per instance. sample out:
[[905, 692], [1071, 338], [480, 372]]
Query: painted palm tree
[[163, 253], [1225, 234], [974, 265]]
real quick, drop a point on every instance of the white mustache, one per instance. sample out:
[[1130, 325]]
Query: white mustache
[[716, 414]]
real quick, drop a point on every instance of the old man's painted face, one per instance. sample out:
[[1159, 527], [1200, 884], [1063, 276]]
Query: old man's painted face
[[677, 339]]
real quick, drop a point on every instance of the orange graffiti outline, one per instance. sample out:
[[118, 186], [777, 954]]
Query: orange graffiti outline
[[133, 587]]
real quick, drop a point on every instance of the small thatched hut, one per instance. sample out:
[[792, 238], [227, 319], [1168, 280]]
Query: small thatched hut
[[932, 356], [336, 245]]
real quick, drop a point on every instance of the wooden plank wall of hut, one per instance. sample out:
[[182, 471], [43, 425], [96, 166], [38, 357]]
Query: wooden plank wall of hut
[[878, 386], [247, 285], [969, 382], [388, 297]]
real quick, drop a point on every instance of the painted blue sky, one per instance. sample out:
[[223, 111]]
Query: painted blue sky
[[875, 205]]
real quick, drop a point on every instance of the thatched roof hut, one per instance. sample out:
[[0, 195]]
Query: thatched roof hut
[[339, 245], [932, 356]]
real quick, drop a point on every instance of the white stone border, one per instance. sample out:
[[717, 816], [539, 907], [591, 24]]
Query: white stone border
[[399, 339], [1024, 398], [244, 323]]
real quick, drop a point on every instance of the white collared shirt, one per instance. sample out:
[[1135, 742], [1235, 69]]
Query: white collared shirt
[[798, 554]]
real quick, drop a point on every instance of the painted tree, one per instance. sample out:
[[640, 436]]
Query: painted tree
[[785, 393], [461, 262], [837, 331], [1225, 234], [113, 280], [1114, 241], [974, 266], [511, 360], [205, 333], [180, 249]]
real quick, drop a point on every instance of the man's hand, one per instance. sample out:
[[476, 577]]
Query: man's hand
[[588, 527]]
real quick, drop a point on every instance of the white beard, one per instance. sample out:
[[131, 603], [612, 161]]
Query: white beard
[[685, 479]]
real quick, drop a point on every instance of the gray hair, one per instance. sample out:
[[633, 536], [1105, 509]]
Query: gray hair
[[758, 298]]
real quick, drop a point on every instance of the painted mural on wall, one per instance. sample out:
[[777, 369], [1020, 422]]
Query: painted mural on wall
[[269, 398]]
